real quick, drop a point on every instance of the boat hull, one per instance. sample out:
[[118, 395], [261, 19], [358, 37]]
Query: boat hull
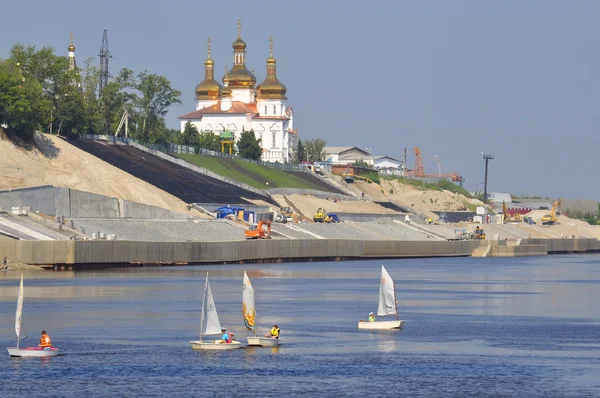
[[383, 325], [34, 352], [215, 345], [263, 342]]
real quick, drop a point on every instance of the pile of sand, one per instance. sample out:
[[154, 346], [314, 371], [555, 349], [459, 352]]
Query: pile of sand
[[58, 163]]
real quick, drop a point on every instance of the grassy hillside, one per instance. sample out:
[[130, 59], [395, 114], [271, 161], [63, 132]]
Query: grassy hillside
[[252, 174]]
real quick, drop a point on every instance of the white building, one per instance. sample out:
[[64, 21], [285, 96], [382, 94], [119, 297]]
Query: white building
[[239, 105], [388, 165], [346, 154]]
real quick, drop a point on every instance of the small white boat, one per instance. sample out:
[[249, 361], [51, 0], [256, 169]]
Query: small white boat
[[35, 352], [249, 313], [387, 305], [212, 325]]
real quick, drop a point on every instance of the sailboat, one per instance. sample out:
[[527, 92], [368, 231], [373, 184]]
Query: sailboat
[[249, 313], [210, 325], [27, 351], [387, 305]]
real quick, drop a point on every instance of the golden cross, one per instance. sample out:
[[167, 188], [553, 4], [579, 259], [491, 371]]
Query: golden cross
[[239, 24], [209, 47], [271, 46], [71, 38], [226, 73]]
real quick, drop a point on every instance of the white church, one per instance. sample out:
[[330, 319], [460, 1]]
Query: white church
[[239, 105]]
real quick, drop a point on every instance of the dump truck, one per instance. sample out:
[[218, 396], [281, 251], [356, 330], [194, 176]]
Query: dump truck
[[260, 231]]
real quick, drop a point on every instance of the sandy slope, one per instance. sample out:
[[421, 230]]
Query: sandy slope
[[61, 164]]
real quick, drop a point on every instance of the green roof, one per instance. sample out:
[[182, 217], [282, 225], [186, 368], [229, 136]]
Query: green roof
[[226, 135]]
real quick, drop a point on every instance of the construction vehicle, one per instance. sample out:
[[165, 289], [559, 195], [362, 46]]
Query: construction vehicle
[[287, 213], [507, 217], [551, 218], [479, 233], [322, 216], [260, 231]]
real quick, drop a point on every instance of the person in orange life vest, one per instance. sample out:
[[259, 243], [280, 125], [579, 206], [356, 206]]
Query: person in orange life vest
[[45, 340]]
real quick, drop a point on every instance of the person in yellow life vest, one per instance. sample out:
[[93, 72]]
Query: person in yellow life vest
[[274, 333], [45, 340], [371, 317]]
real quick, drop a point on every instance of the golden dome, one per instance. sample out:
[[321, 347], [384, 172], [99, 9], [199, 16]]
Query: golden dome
[[240, 77], [239, 45], [71, 46], [226, 92], [271, 87], [209, 88]]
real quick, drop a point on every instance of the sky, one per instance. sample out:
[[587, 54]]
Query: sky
[[516, 79]]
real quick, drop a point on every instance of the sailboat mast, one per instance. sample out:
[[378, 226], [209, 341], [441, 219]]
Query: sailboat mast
[[203, 302], [395, 300]]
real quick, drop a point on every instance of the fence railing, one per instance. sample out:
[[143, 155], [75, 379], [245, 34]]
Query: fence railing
[[186, 149]]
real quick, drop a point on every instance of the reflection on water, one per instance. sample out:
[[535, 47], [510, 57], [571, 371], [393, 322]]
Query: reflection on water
[[510, 327]]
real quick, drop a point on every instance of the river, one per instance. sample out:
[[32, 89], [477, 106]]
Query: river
[[474, 327]]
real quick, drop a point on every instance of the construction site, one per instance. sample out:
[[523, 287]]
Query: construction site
[[101, 191]]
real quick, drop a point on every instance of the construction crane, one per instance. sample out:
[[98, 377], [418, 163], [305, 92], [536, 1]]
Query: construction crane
[[551, 218], [124, 121], [419, 170]]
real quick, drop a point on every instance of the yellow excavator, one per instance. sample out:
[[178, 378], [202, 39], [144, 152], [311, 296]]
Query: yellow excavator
[[507, 218], [551, 218]]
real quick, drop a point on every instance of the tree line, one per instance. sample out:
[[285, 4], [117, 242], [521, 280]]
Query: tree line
[[39, 92]]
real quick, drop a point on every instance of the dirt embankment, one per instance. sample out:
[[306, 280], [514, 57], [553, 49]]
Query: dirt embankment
[[56, 162]]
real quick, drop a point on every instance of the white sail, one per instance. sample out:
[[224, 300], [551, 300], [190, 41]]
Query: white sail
[[387, 295], [248, 308], [19, 312], [210, 318]]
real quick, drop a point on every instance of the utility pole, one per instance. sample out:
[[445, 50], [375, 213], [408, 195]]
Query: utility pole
[[404, 164], [487, 158]]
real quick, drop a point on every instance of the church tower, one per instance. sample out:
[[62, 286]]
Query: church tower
[[226, 94], [271, 96], [241, 80], [209, 90], [72, 62]]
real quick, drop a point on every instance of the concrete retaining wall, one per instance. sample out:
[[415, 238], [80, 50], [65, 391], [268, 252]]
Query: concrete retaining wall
[[72, 203], [313, 192], [363, 217], [104, 253]]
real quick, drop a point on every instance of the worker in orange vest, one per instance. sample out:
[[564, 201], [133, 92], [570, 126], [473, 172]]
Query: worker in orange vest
[[45, 340]]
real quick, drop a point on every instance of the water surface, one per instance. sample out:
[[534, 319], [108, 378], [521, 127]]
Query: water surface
[[474, 327]]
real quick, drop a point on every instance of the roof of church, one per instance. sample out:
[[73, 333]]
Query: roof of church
[[237, 107]]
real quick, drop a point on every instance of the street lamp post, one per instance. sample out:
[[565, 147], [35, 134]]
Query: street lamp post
[[486, 158], [439, 167]]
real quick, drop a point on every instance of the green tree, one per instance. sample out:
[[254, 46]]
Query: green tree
[[209, 140], [315, 149], [155, 96], [190, 134], [22, 104], [300, 153], [249, 146]]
